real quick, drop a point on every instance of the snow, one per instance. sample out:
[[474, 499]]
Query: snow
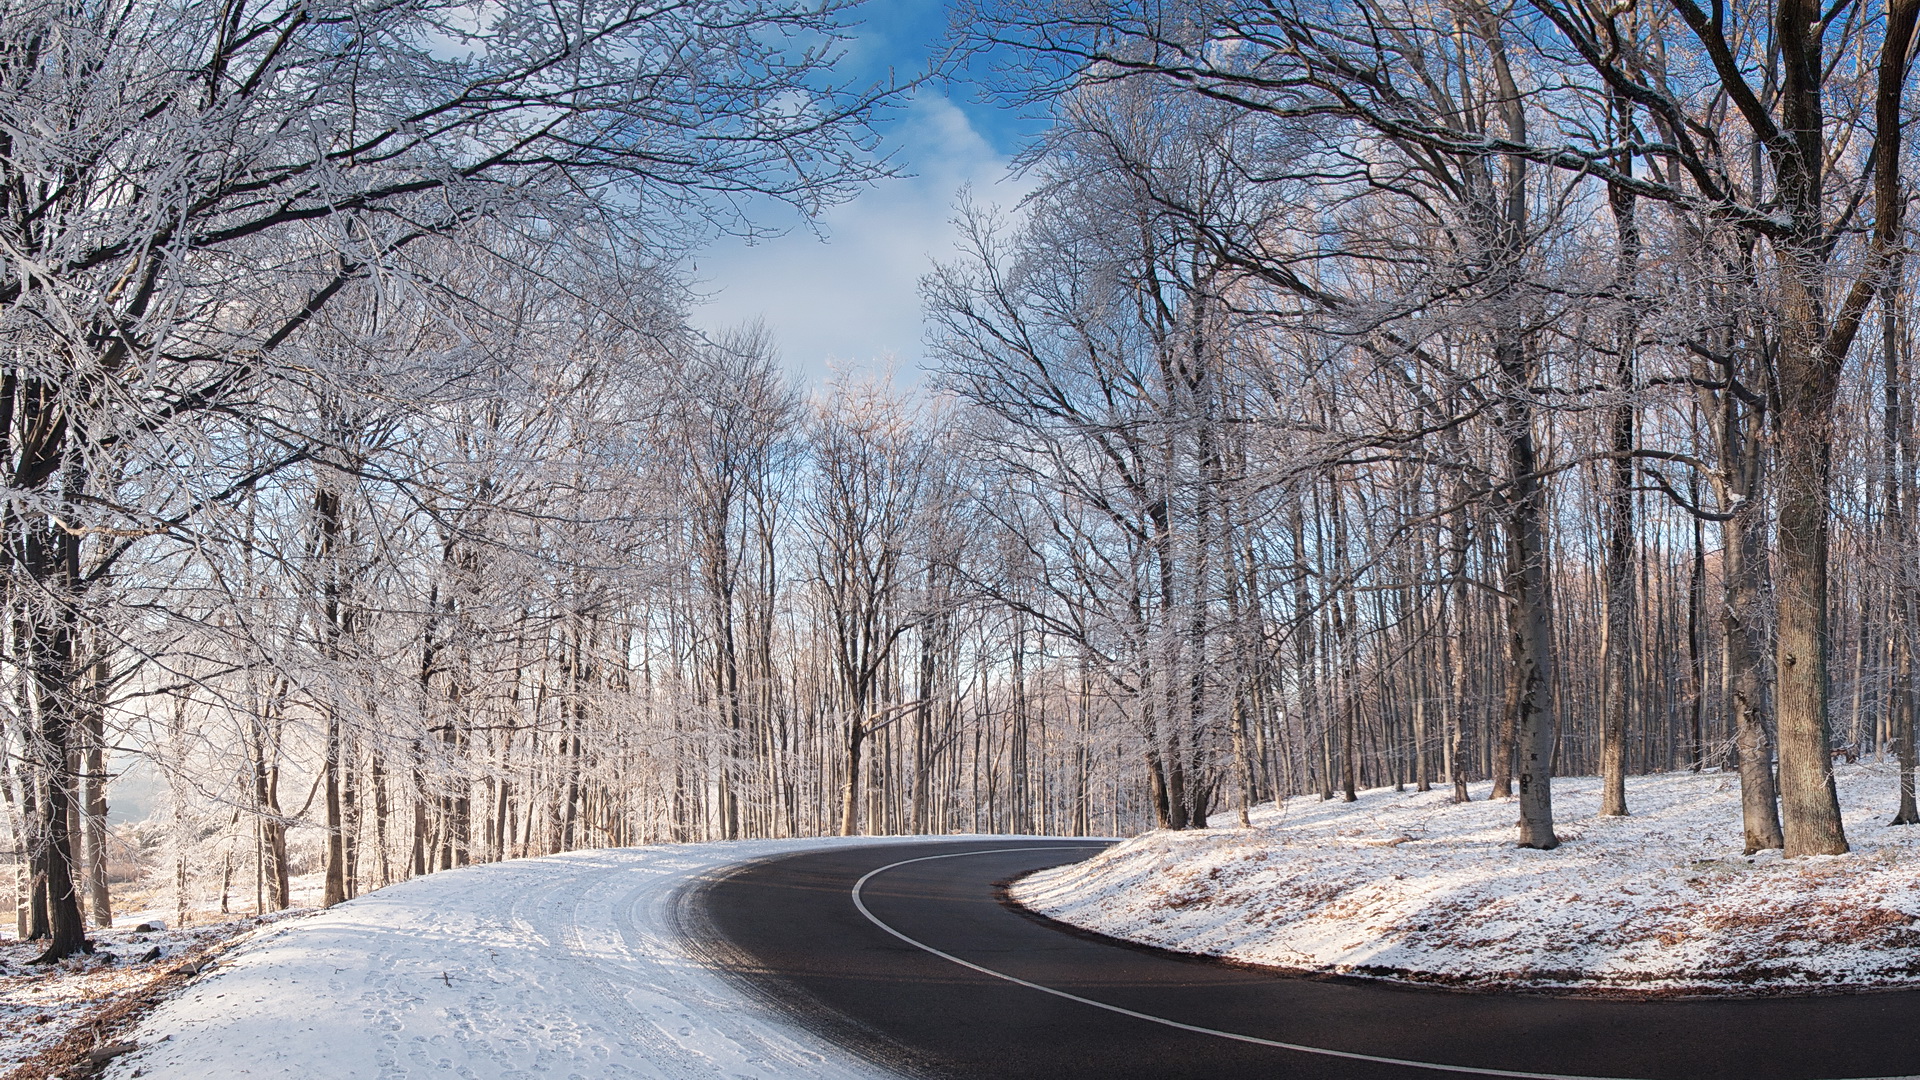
[[564, 966], [43, 1005], [1408, 886]]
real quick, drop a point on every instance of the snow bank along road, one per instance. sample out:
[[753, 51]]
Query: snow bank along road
[[879, 957], [567, 967], [904, 952]]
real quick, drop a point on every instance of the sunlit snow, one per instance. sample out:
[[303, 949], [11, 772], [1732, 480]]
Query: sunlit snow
[[568, 965], [1409, 886]]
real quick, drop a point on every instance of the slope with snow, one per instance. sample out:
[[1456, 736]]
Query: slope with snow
[[1409, 886], [42, 1006], [565, 966]]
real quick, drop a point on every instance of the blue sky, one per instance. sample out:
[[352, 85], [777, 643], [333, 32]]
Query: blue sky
[[846, 295]]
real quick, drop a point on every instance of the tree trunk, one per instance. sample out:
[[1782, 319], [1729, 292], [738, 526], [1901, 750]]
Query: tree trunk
[[1530, 613], [1696, 654], [1157, 790], [52, 641], [335, 890], [1344, 614], [328, 530], [856, 737], [1810, 808], [1019, 787], [1453, 644], [99, 903], [1743, 563], [1616, 648]]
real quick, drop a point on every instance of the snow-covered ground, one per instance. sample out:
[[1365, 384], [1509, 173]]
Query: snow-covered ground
[[1410, 886], [42, 1007], [565, 966]]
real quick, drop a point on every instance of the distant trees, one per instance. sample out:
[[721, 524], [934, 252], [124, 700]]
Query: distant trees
[[732, 431], [868, 461], [1098, 341]]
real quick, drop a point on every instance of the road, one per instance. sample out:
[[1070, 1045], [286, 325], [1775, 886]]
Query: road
[[927, 972]]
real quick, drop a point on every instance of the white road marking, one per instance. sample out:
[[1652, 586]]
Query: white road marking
[[1197, 1029]]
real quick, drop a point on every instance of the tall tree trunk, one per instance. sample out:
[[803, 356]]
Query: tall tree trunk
[[94, 800], [1812, 357], [378, 781], [55, 556], [328, 528], [856, 737], [1899, 510], [1343, 610], [1305, 661], [1019, 787], [1529, 612], [1616, 648], [335, 889], [1453, 643], [1803, 429], [1743, 563]]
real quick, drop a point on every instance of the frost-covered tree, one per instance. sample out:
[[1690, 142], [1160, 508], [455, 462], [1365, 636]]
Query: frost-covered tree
[[185, 188]]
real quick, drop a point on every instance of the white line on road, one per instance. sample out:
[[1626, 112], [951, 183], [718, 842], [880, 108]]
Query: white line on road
[[1468, 1070]]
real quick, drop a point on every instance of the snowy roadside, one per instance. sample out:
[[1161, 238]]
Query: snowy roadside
[[51, 1015], [567, 965], [1408, 886]]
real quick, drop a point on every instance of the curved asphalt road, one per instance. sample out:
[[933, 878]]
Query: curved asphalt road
[[790, 929]]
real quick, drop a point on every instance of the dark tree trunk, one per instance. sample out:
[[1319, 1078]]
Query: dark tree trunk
[[1696, 653], [1616, 650], [54, 676], [1898, 484], [1019, 786], [856, 738], [328, 530], [94, 799], [335, 889], [1529, 613], [1810, 808]]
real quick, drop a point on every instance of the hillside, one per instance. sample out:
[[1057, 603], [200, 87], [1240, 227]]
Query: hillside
[[1409, 886]]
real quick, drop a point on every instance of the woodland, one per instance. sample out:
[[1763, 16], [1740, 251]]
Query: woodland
[[1369, 392]]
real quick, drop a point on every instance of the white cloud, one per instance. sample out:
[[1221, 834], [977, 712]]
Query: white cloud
[[851, 297]]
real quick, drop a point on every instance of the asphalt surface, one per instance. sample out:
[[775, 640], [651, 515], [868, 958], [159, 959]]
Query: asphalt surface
[[789, 930]]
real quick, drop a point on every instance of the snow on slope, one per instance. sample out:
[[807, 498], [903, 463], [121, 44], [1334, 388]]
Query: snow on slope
[[42, 1006], [565, 966], [1409, 886]]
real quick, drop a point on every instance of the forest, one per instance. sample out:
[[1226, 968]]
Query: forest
[[1367, 393]]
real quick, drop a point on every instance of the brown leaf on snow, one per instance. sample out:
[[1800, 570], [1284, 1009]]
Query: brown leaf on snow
[[1819, 921]]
